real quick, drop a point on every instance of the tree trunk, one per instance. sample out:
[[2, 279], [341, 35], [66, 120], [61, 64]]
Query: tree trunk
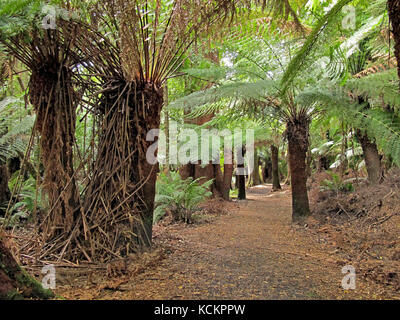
[[240, 178], [394, 16], [267, 171], [15, 283], [297, 134], [143, 173], [4, 190], [309, 162], [289, 176], [123, 184], [323, 164], [14, 164], [275, 168], [219, 181], [210, 172], [371, 157], [52, 94], [370, 152], [186, 171], [228, 173], [256, 171], [206, 173]]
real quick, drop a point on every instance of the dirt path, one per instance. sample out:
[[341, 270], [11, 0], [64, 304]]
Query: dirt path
[[254, 252]]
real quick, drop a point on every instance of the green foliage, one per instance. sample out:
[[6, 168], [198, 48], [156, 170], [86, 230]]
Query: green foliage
[[381, 87], [28, 201], [17, 16], [180, 197], [303, 57], [257, 66], [14, 129], [336, 184], [229, 92], [382, 126]]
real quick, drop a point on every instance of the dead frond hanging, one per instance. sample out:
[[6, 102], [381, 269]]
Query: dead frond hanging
[[50, 56]]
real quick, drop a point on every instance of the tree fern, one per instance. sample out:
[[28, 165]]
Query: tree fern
[[380, 125], [302, 58]]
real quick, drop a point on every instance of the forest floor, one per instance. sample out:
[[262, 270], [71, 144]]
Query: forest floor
[[253, 251]]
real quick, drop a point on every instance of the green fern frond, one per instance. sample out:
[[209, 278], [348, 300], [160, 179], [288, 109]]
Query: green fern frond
[[230, 91], [13, 134], [380, 125], [381, 86], [385, 128], [302, 58]]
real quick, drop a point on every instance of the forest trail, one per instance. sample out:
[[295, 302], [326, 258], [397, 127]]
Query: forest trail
[[254, 252]]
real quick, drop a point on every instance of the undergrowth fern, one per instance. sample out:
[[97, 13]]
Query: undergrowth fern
[[13, 131], [180, 197]]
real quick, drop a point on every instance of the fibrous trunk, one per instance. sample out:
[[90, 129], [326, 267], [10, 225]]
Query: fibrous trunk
[[371, 157], [288, 178], [53, 97], [15, 283], [121, 192], [297, 135], [4, 190], [275, 168], [208, 172]]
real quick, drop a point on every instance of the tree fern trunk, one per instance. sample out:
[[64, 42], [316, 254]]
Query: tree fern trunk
[[209, 172], [394, 15], [267, 170], [289, 175], [297, 134], [121, 192], [370, 152], [186, 171], [145, 116], [52, 94], [275, 168], [228, 173], [371, 157], [4, 190], [241, 179], [256, 170]]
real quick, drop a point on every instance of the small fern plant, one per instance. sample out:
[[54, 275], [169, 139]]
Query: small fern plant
[[179, 197], [28, 201], [336, 184]]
